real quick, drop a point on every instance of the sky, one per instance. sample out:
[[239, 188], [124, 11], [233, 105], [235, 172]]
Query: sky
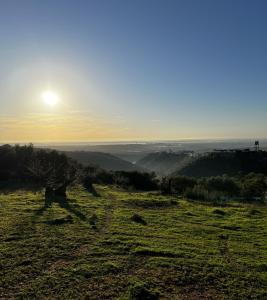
[[133, 70]]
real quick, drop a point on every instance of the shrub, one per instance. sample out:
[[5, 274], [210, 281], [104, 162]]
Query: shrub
[[93, 174], [253, 185], [137, 180], [181, 183], [104, 177], [224, 184]]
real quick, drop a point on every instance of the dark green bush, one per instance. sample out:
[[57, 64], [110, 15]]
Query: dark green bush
[[180, 184], [219, 188], [253, 186], [225, 184], [137, 180]]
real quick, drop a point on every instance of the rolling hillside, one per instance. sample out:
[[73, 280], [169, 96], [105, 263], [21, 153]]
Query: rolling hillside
[[103, 160]]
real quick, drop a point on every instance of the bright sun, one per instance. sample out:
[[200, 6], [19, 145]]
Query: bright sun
[[50, 98]]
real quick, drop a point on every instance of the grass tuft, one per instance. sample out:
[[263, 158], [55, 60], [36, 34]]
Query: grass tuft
[[138, 219]]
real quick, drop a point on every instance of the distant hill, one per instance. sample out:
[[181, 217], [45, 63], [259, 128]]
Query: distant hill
[[164, 163], [103, 160], [231, 163]]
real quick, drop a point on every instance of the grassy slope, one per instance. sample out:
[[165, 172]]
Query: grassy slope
[[186, 251]]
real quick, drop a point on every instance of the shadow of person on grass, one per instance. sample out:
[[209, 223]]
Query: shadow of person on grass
[[88, 184], [63, 202]]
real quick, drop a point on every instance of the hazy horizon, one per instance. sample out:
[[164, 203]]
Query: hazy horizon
[[141, 141]]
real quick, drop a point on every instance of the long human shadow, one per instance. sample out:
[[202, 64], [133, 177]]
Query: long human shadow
[[63, 203], [91, 189]]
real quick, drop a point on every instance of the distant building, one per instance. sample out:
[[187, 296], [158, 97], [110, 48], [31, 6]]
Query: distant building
[[256, 149], [257, 145]]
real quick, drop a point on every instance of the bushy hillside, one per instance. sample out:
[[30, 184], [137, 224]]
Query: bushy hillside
[[124, 245], [103, 160], [231, 163], [164, 163]]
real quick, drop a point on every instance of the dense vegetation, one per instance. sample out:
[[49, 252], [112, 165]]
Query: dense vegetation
[[218, 188], [130, 180]]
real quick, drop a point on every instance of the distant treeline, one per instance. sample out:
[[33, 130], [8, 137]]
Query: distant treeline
[[230, 163]]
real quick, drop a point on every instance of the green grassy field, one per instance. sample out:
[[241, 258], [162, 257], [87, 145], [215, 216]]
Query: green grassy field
[[95, 248]]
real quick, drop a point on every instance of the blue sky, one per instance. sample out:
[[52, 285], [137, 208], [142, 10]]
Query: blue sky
[[133, 69]]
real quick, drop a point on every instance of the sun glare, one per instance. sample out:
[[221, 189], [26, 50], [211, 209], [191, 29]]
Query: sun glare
[[50, 98]]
